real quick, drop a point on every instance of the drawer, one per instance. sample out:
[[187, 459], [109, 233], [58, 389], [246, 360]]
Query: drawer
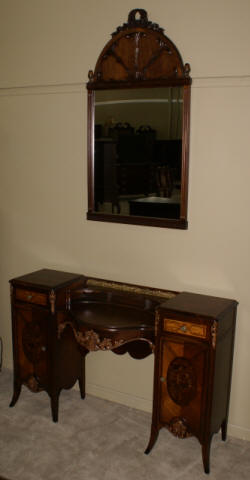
[[184, 328], [31, 296]]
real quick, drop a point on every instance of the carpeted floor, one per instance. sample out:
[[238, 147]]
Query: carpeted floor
[[100, 440]]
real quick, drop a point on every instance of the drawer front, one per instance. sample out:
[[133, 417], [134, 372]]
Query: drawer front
[[31, 296], [184, 328]]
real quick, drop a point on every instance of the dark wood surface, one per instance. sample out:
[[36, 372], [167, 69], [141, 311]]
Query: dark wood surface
[[139, 55], [58, 317], [199, 304], [40, 301], [192, 336], [112, 316], [139, 220], [155, 208], [46, 278]]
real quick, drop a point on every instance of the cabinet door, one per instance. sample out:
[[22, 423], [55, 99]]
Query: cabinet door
[[31, 345], [183, 383]]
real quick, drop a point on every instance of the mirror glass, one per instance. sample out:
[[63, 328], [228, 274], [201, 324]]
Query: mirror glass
[[138, 152]]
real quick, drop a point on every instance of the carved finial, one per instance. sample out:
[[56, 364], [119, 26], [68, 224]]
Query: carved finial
[[68, 299], [138, 17], [91, 75], [187, 69], [214, 333], [157, 320], [52, 299]]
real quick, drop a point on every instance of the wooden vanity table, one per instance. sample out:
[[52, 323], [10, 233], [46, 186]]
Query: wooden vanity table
[[58, 317]]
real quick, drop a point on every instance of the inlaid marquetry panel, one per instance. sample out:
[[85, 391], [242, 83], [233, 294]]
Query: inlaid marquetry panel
[[31, 296], [182, 382], [32, 337], [33, 340], [185, 328]]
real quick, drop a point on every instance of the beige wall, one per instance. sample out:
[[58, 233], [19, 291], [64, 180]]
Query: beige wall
[[47, 48]]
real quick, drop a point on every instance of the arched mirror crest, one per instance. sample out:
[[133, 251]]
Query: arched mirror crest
[[138, 128]]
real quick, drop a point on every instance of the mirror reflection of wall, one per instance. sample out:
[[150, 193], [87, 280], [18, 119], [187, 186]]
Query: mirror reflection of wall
[[138, 138]]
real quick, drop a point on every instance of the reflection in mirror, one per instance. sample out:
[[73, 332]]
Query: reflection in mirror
[[138, 151]]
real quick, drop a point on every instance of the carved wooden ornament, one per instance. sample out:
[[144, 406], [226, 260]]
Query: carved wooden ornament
[[33, 385], [139, 51], [91, 340], [214, 333], [179, 428], [52, 299]]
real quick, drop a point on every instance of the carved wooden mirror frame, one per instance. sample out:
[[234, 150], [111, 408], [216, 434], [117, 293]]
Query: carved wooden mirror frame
[[139, 55]]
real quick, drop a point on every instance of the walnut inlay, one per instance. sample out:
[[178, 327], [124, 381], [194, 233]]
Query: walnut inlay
[[185, 328], [31, 296], [181, 381], [33, 341]]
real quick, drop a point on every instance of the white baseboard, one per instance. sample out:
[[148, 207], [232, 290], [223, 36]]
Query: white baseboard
[[238, 432], [132, 401], [145, 405]]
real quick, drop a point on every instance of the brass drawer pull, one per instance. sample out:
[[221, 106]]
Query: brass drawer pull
[[43, 348], [183, 328], [29, 297], [162, 379]]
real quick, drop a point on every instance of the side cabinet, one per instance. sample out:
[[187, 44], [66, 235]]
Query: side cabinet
[[40, 302], [193, 365]]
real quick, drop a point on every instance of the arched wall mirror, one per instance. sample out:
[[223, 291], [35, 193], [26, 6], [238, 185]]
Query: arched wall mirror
[[138, 128]]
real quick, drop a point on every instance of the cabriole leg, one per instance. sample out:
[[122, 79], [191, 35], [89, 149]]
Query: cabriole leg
[[206, 455], [16, 393], [54, 402], [152, 440], [224, 430], [81, 379]]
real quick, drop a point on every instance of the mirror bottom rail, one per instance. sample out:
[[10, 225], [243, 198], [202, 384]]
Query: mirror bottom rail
[[179, 223]]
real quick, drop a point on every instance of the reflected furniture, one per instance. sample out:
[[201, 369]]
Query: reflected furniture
[[155, 207], [130, 166], [58, 317], [139, 77]]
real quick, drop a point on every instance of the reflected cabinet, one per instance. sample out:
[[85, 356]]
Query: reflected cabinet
[[138, 128]]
